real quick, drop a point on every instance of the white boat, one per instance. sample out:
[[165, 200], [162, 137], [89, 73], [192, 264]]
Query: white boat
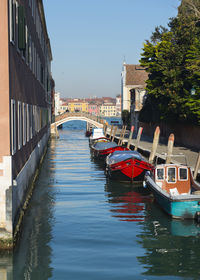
[[98, 136]]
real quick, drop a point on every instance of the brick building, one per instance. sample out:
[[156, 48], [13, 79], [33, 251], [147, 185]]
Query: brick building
[[25, 107]]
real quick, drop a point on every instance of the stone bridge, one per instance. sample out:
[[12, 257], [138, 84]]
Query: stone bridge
[[71, 116]]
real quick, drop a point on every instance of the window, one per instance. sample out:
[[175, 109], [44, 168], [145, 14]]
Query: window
[[160, 174], [27, 122], [30, 121], [13, 126], [171, 172], [24, 124], [19, 125], [183, 174], [21, 29], [12, 7]]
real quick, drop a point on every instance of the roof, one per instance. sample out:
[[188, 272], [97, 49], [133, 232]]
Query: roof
[[135, 75]]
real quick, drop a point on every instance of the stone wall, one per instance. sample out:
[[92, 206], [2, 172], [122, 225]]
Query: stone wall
[[185, 135]]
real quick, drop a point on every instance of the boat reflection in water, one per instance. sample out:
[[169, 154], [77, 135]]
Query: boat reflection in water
[[171, 246], [128, 203]]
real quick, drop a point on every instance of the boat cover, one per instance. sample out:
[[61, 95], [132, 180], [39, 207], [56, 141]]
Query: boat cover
[[119, 156], [104, 145]]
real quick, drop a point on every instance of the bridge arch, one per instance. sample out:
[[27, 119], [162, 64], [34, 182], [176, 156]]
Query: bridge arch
[[81, 116], [73, 118]]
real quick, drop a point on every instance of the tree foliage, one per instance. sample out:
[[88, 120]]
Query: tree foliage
[[172, 59], [126, 118]]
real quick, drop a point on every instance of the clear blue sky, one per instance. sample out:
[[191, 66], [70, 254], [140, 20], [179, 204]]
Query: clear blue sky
[[89, 39]]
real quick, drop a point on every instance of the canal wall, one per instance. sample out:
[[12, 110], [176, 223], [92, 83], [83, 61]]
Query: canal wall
[[15, 198]]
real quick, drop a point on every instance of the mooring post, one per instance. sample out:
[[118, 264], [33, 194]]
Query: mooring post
[[138, 138], [170, 148], [197, 166], [111, 131], [155, 144], [124, 131], [114, 133], [106, 132], [120, 135], [130, 136], [104, 128]]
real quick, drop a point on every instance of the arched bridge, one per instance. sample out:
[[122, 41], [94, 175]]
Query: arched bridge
[[71, 116]]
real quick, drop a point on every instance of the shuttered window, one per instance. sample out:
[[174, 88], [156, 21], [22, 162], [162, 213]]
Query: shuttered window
[[21, 28]]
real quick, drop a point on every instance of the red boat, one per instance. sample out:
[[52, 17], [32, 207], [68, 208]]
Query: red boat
[[103, 149], [127, 166]]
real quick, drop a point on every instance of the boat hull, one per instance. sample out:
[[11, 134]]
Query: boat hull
[[104, 153], [131, 170], [180, 208]]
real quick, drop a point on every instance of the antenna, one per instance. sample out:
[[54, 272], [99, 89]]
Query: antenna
[[124, 60]]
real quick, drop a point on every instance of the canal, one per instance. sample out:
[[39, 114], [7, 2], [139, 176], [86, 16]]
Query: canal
[[81, 226]]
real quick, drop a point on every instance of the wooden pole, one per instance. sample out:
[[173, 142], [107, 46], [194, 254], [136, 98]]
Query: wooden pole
[[138, 138], [130, 136], [106, 131], [197, 166], [104, 128], [114, 133], [170, 148], [111, 131], [155, 144], [120, 135], [121, 142]]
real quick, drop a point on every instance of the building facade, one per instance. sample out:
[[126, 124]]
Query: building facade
[[78, 105], [58, 102], [118, 105], [25, 108], [108, 109], [133, 83]]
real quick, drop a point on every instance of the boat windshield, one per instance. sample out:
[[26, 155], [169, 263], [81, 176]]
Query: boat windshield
[[160, 173], [183, 173], [171, 174]]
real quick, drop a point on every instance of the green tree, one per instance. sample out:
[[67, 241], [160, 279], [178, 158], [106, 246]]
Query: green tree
[[172, 59], [126, 118]]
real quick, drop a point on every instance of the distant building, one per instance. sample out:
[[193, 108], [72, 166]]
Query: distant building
[[25, 107], [108, 109], [63, 107], [93, 108], [78, 105]]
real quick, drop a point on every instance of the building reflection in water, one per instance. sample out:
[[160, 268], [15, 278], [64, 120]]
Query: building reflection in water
[[32, 256], [171, 246], [128, 202]]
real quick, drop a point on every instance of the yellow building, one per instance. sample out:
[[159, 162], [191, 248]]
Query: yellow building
[[78, 106]]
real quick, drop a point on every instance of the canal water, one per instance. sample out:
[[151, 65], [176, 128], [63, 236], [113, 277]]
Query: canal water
[[80, 226]]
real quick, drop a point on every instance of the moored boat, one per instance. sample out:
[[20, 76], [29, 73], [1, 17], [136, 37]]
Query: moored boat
[[175, 190], [127, 166], [103, 149], [98, 136]]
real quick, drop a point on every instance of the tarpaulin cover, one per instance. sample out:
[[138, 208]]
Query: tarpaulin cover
[[104, 145], [119, 156]]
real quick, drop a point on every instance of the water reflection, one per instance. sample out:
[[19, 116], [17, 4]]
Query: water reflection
[[172, 246], [32, 256], [128, 202]]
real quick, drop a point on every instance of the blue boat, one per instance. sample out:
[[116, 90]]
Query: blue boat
[[175, 190]]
